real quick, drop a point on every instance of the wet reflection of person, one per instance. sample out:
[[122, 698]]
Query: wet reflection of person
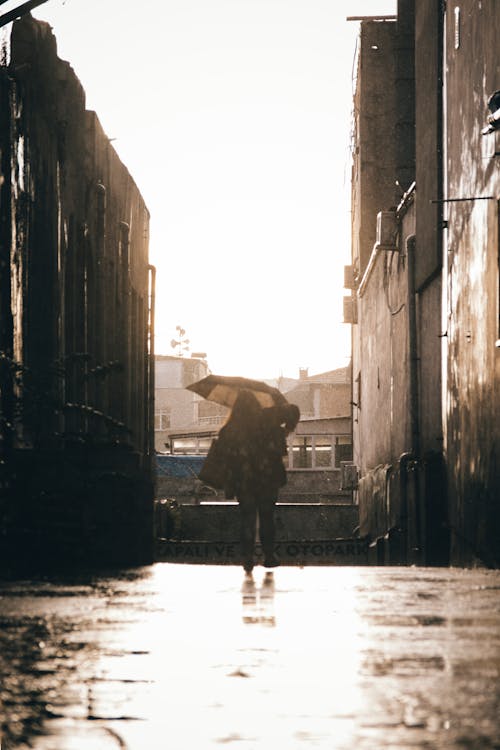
[[255, 443], [258, 603]]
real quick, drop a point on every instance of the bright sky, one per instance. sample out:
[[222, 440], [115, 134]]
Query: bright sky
[[233, 117]]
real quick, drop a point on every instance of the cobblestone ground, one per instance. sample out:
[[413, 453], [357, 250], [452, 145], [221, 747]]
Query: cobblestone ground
[[188, 656]]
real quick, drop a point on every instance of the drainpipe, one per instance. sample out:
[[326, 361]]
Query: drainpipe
[[151, 363], [412, 346], [411, 459]]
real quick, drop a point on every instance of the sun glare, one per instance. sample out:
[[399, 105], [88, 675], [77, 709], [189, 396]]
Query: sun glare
[[234, 120]]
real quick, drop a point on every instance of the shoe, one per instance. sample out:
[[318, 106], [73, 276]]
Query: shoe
[[248, 566], [271, 562]]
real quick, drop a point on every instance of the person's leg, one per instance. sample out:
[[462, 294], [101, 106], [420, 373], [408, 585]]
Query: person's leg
[[267, 529], [248, 518]]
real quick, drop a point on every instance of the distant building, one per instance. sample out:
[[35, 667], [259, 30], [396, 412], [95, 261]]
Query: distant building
[[177, 409], [323, 437]]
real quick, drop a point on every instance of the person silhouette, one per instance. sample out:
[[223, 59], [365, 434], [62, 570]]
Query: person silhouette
[[254, 440]]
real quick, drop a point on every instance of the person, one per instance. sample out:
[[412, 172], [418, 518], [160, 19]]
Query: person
[[254, 440]]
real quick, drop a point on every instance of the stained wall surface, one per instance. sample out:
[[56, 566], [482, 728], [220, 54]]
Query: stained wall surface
[[74, 293], [472, 414]]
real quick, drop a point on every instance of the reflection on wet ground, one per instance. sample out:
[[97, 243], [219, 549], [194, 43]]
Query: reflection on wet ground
[[199, 656], [258, 600]]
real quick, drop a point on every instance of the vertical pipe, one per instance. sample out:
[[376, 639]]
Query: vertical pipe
[[412, 347], [151, 363], [100, 320], [6, 290], [413, 466], [124, 324]]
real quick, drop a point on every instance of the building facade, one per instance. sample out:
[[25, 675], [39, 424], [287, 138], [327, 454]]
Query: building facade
[[184, 422], [76, 292], [424, 284]]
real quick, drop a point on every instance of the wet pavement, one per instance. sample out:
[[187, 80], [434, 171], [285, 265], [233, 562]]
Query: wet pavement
[[191, 656]]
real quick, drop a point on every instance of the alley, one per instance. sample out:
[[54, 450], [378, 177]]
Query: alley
[[188, 656]]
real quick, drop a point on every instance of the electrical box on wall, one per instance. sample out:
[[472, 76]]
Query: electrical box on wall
[[387, 230], [349, 476]]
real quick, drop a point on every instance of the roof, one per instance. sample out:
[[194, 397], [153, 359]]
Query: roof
[[332, 377], [341, 376]]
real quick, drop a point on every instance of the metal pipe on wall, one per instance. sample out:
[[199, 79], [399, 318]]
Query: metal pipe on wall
[[412, 346], [412, 467], [151, 362]]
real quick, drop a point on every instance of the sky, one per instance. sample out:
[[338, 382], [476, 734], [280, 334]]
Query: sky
[[234, 119]]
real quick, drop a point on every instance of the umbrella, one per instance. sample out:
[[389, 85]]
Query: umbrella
[[224, 389]]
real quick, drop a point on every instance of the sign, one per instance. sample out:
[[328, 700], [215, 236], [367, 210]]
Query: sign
[[327, 552]]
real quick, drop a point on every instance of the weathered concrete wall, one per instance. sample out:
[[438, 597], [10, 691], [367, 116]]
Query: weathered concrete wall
[[373, 190], [220, 522], [74, 352], [448, 485], [314, 486], [473, 357], [429, 219], [385, 423], [383, 328], [396, 343], [428, 123], [374, 162], [302, 486]]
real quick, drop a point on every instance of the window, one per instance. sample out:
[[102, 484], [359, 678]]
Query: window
[[319, 451], [190, 444], [184, 446], [162, 419], [302, 453], [343, 450], [323, 452]]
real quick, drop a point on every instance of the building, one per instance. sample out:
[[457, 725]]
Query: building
[[323, 437], [424, 284], [76, 314], [184, 422]]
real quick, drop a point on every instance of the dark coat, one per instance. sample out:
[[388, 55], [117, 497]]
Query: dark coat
[[247, 456], [254, 454]]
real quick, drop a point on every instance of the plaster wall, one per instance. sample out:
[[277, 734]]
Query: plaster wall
[[374, 162], [428, 124], [383, 421]]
